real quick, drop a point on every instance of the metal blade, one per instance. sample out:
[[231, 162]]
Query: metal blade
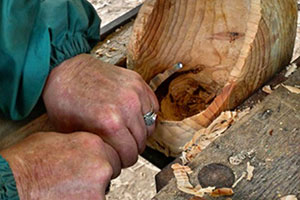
[[160, 78]]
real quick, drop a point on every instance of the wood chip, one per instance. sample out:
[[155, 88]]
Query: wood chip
[[239, 180], [108, 55], [267, 89], [205, 136], [181, 175], [289, 197], [220, 192], [276, 87], [250, 170], [183, 183], [291, 89], [290, 69]]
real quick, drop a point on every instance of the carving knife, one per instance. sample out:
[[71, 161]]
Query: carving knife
[[161, 77]]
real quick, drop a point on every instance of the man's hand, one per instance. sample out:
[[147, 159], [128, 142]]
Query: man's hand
[[62, 166], [86, 94]]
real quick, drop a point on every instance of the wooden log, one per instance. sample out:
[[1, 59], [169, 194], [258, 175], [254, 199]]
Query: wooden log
[[229, 48]]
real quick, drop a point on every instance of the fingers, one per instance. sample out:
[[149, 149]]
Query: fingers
[[138, 129], [152, 97], [114, 160], [149, 104], [124, 144]]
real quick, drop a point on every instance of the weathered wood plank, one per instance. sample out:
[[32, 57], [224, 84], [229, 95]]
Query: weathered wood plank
[[166, 174], [272, 130]]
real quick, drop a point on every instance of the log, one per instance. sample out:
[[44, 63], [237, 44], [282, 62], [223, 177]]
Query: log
[[229, 48]]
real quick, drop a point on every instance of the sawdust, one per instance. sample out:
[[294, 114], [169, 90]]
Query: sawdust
[[206, 136], [183, 184]]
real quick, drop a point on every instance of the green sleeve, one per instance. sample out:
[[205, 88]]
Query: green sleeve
[[35, 36], [8, 188]]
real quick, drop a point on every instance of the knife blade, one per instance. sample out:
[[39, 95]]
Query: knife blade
[[161, 77]]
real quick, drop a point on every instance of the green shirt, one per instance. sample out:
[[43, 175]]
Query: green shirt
[[35, 36]]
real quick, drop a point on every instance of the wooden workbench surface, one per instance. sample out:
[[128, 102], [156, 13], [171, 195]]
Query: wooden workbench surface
[[272, 131]]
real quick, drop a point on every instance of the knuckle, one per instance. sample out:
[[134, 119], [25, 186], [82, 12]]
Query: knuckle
[[111, 122], [104, 171], [136, 75], [89, 140]]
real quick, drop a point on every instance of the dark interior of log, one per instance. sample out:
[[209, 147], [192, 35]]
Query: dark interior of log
[[177, 102], [208, 44]]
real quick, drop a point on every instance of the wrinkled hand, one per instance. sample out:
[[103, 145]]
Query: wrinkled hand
[[84, 93], [62, 166]]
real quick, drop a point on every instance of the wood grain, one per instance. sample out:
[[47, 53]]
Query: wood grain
[[272, 132], [229, 49]]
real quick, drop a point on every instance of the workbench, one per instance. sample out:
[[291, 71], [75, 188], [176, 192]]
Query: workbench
[[271, 131]]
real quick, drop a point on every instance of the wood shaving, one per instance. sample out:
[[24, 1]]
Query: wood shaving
[[183, 182], [206, 136], [108, 55], [181, 175], [237, 159], [240, 157], [290, 69], [276, 87], [239, 180], [220, 192], [113, 49], [289, 197], [267, 89], [291, 89], [250, 170]]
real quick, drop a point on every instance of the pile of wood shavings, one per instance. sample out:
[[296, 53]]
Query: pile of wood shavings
[[205, 136]]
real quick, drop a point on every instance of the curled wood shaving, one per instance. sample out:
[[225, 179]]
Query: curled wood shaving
[[181, 175], [240, 157], [250, 170], [108, 55], [205, 136], [183, 183], [222, 192], [237, 159], [291, 89], [289, 197], [290, 69], [267, 89]]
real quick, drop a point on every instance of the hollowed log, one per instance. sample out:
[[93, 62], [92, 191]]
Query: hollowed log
[[229, 48]]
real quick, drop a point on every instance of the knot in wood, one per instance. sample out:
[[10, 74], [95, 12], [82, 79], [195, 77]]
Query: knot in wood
[[216, 175]]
